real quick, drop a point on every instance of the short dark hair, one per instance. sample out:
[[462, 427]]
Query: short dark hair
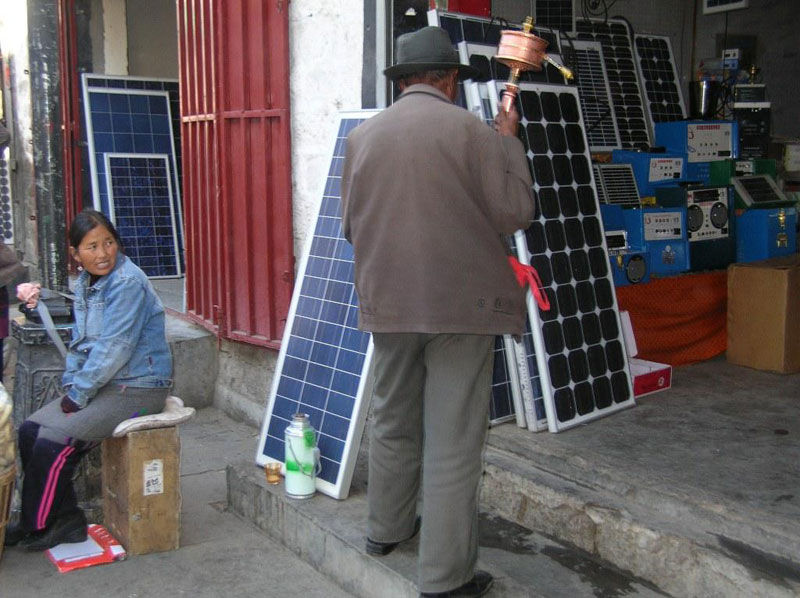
[[432, 77], [86, 221]]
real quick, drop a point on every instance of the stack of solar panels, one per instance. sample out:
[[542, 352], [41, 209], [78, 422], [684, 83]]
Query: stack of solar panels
[[483, 35], [133, 135], [615, 38]]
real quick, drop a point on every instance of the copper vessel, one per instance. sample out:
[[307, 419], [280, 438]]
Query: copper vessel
[[523, 51]]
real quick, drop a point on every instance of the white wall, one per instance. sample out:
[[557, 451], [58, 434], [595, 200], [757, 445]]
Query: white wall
[[152, 32], [326, 39], [115, 38]]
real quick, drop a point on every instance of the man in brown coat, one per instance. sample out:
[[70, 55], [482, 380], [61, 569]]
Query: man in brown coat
[[428, 194]]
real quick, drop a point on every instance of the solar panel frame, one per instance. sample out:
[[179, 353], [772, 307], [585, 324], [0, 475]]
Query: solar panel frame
[[152, 265], [592, 81], [626, 89], [575, 359], [327, 237], [665, 64]]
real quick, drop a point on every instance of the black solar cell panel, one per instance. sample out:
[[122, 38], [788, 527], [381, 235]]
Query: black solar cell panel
[[582, 364]]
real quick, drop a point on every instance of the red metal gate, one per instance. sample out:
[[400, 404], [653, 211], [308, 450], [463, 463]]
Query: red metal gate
[[234, 75]]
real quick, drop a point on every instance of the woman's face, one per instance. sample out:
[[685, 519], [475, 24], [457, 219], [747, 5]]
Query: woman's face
[[97, 252]]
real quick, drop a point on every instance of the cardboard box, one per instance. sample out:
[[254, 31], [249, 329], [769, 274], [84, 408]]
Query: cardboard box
[[142, 489], [648, 376], [764, 314]]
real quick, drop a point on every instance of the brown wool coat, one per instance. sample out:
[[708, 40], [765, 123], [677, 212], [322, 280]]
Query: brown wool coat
[[428, 194]]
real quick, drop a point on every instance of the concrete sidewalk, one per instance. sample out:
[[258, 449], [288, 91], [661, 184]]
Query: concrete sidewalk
[[220, 554]]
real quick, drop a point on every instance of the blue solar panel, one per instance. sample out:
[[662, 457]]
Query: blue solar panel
[[324, 359], [132, 116], [140, 200]]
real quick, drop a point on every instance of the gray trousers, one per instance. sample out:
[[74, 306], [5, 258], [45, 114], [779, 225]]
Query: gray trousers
[[430, 413]]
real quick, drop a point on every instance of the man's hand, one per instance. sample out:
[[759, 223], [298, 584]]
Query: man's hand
[[507, 123]]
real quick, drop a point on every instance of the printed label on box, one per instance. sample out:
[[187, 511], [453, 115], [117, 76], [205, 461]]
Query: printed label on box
[[153, 477]]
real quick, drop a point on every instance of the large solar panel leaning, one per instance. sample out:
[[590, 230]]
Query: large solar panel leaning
[[146, 123], [579, 345], [616, 185], [521, 354], [130, 115], [595, 95], [626, 96], [659, 76], [324, 361]]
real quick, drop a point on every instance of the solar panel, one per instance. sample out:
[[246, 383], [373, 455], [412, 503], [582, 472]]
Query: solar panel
[[760, 191], [626, 97], [322, 368], [659, 75], [595, 96], [530, 383], [141, 207], [131, 115], [616, 185], [483, 35], [583, 366], [505, 384], [6, 203], [558, 14], [170, 86]]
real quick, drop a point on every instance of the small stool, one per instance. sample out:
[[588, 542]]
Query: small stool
[[141, 480]]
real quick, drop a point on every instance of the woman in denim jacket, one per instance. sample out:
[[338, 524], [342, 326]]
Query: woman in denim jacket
[[118, 366]]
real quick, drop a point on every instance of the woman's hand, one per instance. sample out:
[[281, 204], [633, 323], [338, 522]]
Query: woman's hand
[[29, 293], [68, 405]]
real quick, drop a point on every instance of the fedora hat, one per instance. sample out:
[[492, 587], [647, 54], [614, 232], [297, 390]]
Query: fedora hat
[[427, 49]]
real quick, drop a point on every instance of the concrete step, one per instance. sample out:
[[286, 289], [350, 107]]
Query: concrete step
[[329, 535], [194, 359], [693, 490]]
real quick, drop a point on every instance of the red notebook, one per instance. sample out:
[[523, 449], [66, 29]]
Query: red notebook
[[99, 548]]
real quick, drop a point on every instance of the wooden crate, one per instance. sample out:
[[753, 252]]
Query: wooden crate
[[142, 490]]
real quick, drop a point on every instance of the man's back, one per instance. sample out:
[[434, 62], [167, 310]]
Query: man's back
[[428, 193]]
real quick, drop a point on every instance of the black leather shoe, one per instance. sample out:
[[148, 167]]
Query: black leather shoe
[[67, 528], [14, 533], [480, 583], [384, 548]]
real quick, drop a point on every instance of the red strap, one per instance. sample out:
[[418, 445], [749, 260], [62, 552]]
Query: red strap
[[528, 275]]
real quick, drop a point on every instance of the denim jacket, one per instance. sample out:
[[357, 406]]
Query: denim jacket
[[119, 334]]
